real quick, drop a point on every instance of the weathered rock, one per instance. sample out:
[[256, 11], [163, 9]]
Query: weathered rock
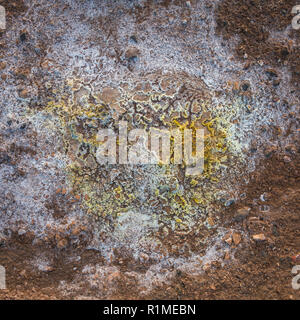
[[259, 237], [242, 213], [287, 159], [44, 268], [2, 65], [23, 93], [227, 255], [236, 237], [131, 53], [296, 257], [229, 202], [228, 238]]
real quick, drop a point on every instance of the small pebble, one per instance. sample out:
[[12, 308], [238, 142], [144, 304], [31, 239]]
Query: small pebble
[[259, 237]]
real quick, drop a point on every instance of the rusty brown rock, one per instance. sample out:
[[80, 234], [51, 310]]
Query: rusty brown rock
[[2, 65], [259, 237], [236, 237], [23, 93], [227, 255], [228, 239]]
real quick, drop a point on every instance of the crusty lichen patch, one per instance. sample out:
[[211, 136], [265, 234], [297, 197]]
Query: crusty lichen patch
[[163, 191]]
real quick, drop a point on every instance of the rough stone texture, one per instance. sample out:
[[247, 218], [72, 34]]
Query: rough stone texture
[[78, 66]]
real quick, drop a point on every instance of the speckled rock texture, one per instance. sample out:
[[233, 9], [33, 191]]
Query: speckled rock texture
[[71, 68]]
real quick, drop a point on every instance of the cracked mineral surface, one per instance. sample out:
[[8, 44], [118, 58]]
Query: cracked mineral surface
[[91, 230]]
